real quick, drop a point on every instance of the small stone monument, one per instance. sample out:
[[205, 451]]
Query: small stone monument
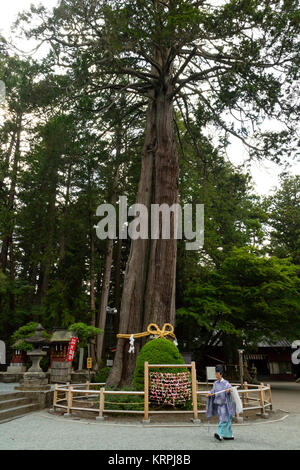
[[2, 353], [35, 378]]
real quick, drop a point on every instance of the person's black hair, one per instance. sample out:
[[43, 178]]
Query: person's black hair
[[219, 368]]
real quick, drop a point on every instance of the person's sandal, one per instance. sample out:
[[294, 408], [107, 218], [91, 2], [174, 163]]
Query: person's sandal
[[228, 438], [218, 437]]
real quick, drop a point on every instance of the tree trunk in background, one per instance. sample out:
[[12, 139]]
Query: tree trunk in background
[[106, 275], [118, 268], [11, 197], [104, 299], [48, 253], [92, 291], [12, 272], [4, 172], [149, 283], [54, 153], [65, 210]]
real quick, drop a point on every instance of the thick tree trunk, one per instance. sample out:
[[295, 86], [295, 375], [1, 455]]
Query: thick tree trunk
[[136, 267], [149, 283], [160, 287]]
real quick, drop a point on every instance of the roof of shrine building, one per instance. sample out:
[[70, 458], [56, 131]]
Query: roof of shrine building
[[279, 344], [60, 335]]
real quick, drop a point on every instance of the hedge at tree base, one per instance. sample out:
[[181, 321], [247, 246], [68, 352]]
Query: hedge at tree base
[[157, 351]]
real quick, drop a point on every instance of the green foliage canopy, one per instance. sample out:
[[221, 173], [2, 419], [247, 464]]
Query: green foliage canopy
[[85, 332], [250, 297]]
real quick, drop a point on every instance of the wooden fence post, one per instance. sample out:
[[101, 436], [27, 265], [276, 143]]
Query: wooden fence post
[[146, 392], [270, 396], [67, 393], [246, 394], [261, 399], [70, 400], [194, 391], [55, 396], [263, 394], [87, 387], [101, 404]]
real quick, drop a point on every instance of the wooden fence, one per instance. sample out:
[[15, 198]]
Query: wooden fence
[[67, 397]]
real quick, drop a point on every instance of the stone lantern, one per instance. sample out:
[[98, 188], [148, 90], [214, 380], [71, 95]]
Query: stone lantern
[[35, 378]]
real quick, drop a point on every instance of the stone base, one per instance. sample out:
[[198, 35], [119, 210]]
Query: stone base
[[239, 419], [263, 415], [146, 421], [10, 378], [34, 381], [196, 421], [19, 369], [100, 418], [44, 398]]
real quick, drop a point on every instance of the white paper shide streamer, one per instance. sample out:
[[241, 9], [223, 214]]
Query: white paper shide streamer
[[131, 342]]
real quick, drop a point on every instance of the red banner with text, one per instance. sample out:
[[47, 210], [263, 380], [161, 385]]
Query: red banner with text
[[71, 350]]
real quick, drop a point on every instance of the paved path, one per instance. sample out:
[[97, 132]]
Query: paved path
[[10, 387], [7, 388], [41, 430], [286, 396]]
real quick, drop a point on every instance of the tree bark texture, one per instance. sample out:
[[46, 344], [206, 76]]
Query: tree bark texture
[[149, 282]]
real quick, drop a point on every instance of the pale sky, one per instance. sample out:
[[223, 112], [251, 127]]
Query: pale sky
[[265, 174]]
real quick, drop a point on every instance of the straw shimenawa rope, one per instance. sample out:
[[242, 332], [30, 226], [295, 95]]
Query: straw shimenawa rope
[[152, 329]]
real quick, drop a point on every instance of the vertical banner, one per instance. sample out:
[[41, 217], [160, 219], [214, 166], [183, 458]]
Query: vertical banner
[[71, 350]]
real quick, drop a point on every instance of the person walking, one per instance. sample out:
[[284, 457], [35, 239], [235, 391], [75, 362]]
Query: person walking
[[220, 403]]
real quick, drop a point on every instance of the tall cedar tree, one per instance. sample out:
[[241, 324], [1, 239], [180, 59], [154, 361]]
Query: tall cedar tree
[[237, 56]]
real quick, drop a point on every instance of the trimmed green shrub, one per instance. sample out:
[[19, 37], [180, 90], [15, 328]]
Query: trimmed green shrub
[[102, 375], [157, 351]]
